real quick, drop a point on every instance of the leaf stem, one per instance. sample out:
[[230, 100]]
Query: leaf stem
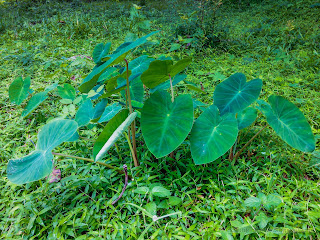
[[88, 160], [133, 124], [172, 94], [240, 151], [131, 149], [125, 184]]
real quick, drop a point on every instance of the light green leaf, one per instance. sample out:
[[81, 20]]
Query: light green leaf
[[212, 135], [84, 113], [273, 201], [66, 91], [141, 190], [51, 87], [252, 202], [315, 160], [92, 78], [110, 112], [165, 125], [160, 191], [159, 71], [18, 90], [235, 94], [262, 219], [136, 89], [289, 123], [246, 117], [34, 102], [116, 128], [39, 163], [151, 207]]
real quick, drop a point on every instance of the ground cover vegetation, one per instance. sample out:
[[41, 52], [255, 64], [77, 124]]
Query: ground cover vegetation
[[84, 84]]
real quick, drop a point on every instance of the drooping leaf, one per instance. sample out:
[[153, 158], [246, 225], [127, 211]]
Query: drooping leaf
[[110, 112], [112, 131], [92, 78], [54, 133], [34, 102], [66, 91], [164, 124], [100, 51], [289, 123], [99, 108], [212, 135], [32, 167], [39, 163], [19, 90], [246, 117], [159, 71], [165, 85], [235, 94]]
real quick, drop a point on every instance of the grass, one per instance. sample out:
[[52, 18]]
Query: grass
[[275, 41]]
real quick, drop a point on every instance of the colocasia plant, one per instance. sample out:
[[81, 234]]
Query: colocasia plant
[[149, 103]]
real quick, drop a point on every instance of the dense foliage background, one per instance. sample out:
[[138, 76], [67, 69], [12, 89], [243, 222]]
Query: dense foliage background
[[276, 41]]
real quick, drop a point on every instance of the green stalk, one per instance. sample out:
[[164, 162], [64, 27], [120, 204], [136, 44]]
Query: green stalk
[[132, 151], [133, 124], [240, 151], [88, 160]]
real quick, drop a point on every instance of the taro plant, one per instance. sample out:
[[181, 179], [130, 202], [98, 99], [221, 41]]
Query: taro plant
[[140, 101]]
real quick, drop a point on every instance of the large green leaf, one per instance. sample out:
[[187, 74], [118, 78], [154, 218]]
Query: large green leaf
[[165, 85], [92, 78], [136, 89], [107, 74], [110, 112], [164, 124], [32, 167], [160, 70], [212, 135], [39, 163], [87, 112], [112, 83], [289, 123], [246, 117], [34, 102], [66, 91], [140, 64], [100, 51], [235, 94], [117, 128], [18, 90]]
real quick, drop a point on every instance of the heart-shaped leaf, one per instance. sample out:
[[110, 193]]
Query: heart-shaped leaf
[[160, 70], [89, 82], [289, 123], [66, 91], [246, 117], [112, 131], [235, 94], [107, 74], [140, 64], [136, 89], [212, 135], [164, 124], [33, 103], [18, 90], [39, 163], [100, 51], [110, 112]]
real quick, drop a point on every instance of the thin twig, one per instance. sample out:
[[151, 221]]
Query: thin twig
[[125, 168]]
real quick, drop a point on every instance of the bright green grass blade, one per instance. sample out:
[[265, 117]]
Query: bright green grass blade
[[66, 91], [54, 133], [246, 117], [116, 134], [34, 102], [18, 90], [110, 112], [30, 168], [289, 123], [92, 78], [235, 94], [212, 135], [164, 124]]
